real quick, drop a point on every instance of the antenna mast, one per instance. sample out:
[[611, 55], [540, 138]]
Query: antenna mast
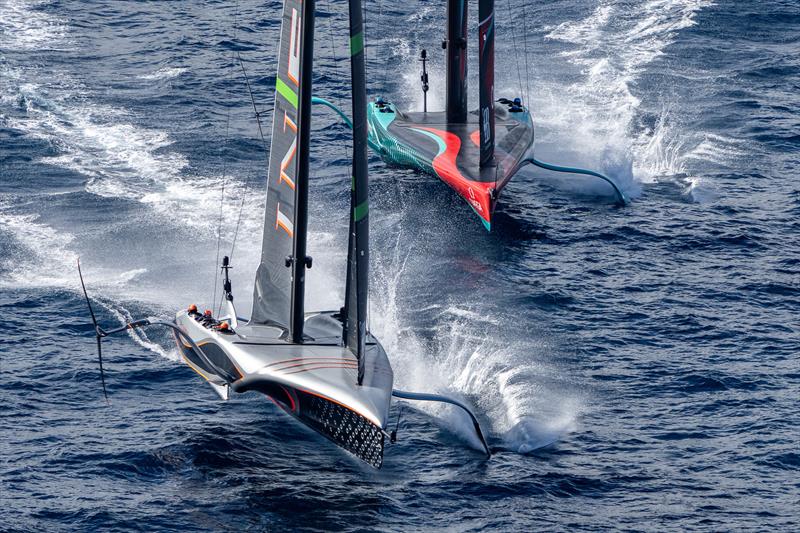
[[423, 56]]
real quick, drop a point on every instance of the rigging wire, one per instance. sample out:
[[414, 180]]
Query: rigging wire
[[337, 64], [525, 46], [366, 57], [366, 82], [516, 56], [385, 63], [224, 162], [249, 177], [258, 114], [337, 67], [266, 154]]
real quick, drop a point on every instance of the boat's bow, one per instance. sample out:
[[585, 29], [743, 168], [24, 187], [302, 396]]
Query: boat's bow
[[316, 382], [451, 151]]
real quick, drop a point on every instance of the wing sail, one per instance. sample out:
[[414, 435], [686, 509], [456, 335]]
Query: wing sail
[[284, 218]]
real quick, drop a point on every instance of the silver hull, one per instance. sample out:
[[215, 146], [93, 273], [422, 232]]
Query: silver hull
[[316, 382]]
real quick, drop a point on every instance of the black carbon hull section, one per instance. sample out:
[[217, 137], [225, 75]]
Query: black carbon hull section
[[344, 427], [339, 424]]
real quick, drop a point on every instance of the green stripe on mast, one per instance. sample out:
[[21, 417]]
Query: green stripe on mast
[[356, 43], [286, 92], [361, 211]]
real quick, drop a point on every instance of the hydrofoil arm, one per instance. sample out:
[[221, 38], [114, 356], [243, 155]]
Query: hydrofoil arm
[[100, 333], [622, 199], [426, 397], [349, 123]]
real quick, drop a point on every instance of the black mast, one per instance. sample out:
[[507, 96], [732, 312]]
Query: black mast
[[299, 261], [358, 249], [486, 70], [456, 45]]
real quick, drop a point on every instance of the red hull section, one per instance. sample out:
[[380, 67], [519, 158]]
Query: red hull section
[[452, 151], [477, 194]]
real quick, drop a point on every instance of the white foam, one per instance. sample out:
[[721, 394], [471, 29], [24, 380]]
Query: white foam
[[613, 47], [404, 50], [466, 356], [42, 251], [43, 257], [165, 73], [700, 190], [125, 160], [583, 31], [718, 149], [24, 26], [120, 160], [139, 336]]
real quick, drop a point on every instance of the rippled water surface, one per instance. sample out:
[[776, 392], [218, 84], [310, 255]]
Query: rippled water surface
[[635, 368]]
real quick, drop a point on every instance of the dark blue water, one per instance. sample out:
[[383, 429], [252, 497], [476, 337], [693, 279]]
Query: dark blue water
[[636, 368]]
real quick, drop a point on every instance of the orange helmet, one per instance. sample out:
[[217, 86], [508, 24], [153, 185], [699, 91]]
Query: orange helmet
[[192, 308]]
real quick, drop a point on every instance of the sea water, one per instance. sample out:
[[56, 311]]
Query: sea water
[[634, 368]]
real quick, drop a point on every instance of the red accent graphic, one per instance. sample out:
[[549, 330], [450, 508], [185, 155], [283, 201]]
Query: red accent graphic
[[476, 193], [324, 367], [324, 359], [475, 137], [291, 399]]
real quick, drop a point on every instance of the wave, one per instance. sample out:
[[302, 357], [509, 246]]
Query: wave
[[613, 48], [166, 73], [25, 26], [40, 256]]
